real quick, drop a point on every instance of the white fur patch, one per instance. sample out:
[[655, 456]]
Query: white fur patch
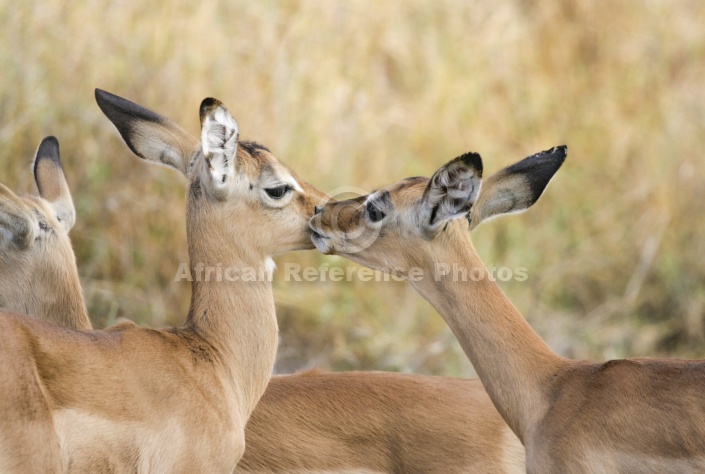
[[513, 454], [219, 133], [371, 197], [64, 212], [5, 234], [294, 184], [219, 141], [321, 243], [270, 266], [84, 437]]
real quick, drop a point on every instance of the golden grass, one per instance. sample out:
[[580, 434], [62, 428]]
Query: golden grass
[[365, 93]]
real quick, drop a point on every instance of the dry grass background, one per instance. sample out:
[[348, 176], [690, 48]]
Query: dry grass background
[[365, 93]]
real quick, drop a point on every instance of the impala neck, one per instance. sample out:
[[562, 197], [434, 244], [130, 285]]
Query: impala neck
[[68, 309], [61, 302], [512, 361], [236, 317]]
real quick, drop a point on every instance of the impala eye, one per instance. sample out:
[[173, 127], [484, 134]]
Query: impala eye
[[278, 192], [374, 214]]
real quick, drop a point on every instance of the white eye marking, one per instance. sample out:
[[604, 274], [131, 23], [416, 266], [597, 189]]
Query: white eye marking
[[294, 184], [285, 185], [372, 197]]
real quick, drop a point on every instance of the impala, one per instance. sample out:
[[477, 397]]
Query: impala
[[634, 415], [177, 399], [348, 422], [312, 421], [38, 274]]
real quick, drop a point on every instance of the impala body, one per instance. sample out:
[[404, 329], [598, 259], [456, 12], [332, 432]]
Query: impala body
[[629, 416], [307, 422], [172, 400], [378, 422]]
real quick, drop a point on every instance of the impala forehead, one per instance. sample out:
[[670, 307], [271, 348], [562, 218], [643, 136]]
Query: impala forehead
[[381, 199], [356, 202], [399, 195], [276, 174], [265, 167]]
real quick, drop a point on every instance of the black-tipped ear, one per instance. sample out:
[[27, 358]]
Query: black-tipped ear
[[452, 190], [517, 187], [47, 159], [207, 107], [49, 149], [51, 182], [539, 170], [122, 112], [149, 135]]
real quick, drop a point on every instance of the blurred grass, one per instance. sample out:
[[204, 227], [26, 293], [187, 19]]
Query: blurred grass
[[363, 94]]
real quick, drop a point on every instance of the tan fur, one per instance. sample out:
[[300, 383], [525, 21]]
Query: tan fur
[[171, 400], [636, 415], [378, 422], [322, 422], [40, 278]]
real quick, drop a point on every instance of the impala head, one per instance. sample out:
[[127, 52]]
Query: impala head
[[235, 184], [398, 226], [35, 249]]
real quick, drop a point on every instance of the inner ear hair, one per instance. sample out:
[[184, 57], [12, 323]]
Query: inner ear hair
[[219, 135], [453, 189]]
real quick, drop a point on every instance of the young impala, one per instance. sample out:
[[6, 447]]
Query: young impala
[[38, 274], [635, 415], [351, 422], [177, 399], [315, 422]]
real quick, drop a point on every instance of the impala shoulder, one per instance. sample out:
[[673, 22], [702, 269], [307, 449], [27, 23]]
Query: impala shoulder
[[603, 374], [656, 369], [618, 365], [616, 378], [200, 349], [587, 370]]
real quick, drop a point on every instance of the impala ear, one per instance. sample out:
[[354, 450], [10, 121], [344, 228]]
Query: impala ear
[[517, 187], [51, 182], [452, 190], [149, 135], [219, 134], [18, 225]]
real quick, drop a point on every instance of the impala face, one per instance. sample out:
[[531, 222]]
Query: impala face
[[368, 229], [393, 228], [245, 179], [227, 177]]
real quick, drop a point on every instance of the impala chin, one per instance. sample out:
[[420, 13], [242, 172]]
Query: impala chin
[[322, 243], [319, 239]]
